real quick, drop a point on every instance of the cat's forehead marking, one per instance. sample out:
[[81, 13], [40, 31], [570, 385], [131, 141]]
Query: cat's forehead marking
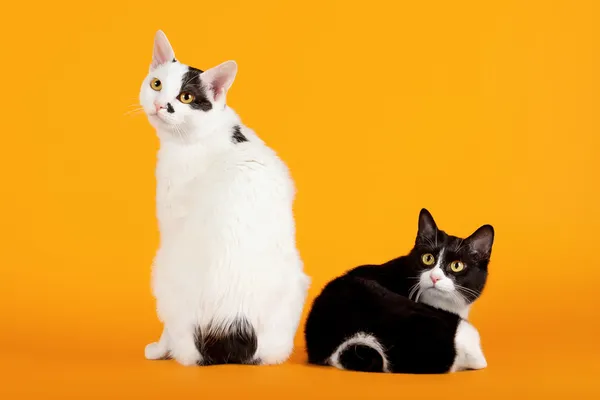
[[440, 259], [191, 82]]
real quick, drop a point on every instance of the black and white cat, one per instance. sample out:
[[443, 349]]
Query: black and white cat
[[366, 319], [227, 277]]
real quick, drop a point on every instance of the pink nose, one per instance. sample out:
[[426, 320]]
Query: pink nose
[[434, 279], [158, 107]]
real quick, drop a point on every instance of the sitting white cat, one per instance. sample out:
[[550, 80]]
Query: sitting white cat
[[228, 278]]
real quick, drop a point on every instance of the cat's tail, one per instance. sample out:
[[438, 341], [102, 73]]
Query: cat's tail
[[361, 352], [233, 343]]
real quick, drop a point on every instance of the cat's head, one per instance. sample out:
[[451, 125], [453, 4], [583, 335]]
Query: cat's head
[[181, 101], [451, 272]]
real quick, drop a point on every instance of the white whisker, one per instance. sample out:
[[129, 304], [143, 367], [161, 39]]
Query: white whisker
[[418, 295], [413, 289], [459, 245], [466, 289], [179, 133], [428, 240], [135, 111], [464, 292]]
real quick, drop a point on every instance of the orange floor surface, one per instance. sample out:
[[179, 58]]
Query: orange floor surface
[[483, 112], [129, 376]]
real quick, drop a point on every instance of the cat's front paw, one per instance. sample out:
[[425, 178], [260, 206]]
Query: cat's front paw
[[156, 351], [477, 361]]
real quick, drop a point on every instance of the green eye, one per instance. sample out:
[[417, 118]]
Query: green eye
[[457, 266], [156, 84], [428, 259]]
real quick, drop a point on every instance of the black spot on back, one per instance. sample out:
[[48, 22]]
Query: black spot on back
[[192, 84], [235, 345], [238, 136]]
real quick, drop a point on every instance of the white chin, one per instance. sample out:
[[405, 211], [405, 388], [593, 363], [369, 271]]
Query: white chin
[[156, 119], [438, 292]]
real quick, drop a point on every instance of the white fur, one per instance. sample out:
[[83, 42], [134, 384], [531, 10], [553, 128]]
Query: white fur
[[468, 349], [360, 338], [443, 293], [227, 232]]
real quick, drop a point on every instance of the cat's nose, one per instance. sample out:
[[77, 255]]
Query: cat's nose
[[158, 106], [434, 278]]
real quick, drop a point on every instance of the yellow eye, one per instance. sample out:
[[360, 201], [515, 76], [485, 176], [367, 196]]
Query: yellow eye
[[186, 98], [457, 266], [428, 259], [156, 84]]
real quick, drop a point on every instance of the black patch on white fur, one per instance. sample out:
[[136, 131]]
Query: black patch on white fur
[[174, 60], [358, 357], [373, 299], [236, 345], [191, 83], [238, 136], [170, 108]]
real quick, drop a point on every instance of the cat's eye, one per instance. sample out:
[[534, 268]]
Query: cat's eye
[[457, 266], [428, 259], [156, 84], [186, 98]]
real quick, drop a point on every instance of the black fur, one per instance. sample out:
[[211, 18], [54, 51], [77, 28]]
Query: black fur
[[191, 83], [235, 345], [359, 357], [374, 299], [170, 108], [238, 136]]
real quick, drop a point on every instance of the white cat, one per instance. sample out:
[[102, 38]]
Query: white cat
[[228, 279]]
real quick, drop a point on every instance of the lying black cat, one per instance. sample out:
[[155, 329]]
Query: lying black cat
[[366, 320]]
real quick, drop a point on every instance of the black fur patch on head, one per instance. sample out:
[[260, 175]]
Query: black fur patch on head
[[191, 83], [235, 344], [238, 136], [474, 252], [170, 108]]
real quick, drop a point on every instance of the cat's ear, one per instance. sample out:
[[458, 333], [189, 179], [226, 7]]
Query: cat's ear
[[481, 240], [220, 78], [427, 226], [163, 52]]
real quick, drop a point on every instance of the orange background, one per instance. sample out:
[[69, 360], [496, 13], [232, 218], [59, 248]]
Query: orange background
[[483, 112]]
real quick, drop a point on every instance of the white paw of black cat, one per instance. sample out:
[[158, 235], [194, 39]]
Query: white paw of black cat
[[468, 349]]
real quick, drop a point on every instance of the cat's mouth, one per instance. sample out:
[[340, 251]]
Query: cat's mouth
[[438, 291], [159, 117]]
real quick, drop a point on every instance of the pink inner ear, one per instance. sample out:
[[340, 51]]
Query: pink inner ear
[[217, 86], [161, 55], [220, 78], [162, 52]]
